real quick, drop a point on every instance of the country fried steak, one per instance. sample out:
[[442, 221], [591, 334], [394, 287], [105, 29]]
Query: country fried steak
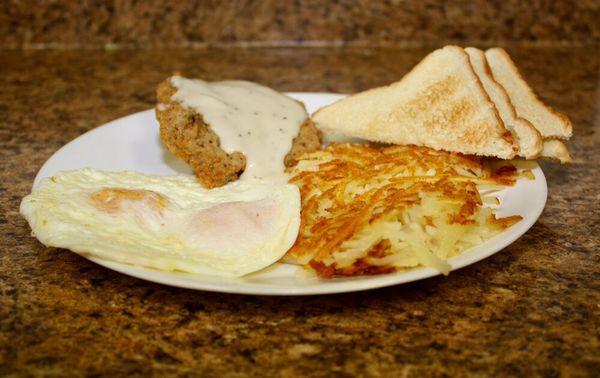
[[189, 137]]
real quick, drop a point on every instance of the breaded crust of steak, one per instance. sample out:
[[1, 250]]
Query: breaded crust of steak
[[187, 136], [309, 138]]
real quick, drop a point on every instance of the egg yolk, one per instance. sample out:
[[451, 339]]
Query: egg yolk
[[110, 200]]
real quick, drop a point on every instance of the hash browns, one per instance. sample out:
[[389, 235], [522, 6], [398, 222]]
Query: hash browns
[[368, 210]]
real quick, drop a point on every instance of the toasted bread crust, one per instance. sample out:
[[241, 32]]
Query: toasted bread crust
[[556, 149], [189, 137], [527, 137], [507, 134], [561, 126]]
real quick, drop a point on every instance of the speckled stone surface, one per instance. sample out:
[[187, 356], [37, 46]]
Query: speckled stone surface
[[367, 22], [532, 309]]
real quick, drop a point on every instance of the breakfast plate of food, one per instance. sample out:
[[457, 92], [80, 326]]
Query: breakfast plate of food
[[233, 187]]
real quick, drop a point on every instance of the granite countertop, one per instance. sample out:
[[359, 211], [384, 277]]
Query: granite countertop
[[533, 308], [259, 22]]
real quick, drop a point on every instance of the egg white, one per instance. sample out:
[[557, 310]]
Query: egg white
[[176, 225]]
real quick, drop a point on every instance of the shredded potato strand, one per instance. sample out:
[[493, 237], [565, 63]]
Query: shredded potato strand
[[369, 210]]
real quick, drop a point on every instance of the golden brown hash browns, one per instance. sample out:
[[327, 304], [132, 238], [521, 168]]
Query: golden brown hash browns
[[187, 136], [368, 210]]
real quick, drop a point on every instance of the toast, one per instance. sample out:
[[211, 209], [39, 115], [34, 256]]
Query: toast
[[439, 104], [549, 122], [556, 149], [527, 137]]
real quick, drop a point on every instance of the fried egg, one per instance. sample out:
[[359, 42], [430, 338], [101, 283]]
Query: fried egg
[[166, 223]]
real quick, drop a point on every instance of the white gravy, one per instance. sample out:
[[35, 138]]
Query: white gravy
[[250, 118]]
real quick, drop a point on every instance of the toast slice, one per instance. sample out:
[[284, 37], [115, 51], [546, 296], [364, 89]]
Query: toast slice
[[439, 104], [527, 137], [556, 149], [549, 122]]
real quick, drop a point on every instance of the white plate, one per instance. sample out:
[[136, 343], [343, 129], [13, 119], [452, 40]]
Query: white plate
[[132, 143]]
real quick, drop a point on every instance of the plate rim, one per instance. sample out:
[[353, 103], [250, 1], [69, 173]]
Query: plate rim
[[321, 286]]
